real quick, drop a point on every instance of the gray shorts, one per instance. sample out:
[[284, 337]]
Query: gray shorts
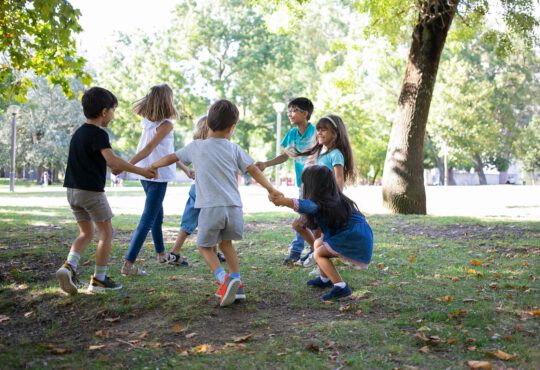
[[219, 223], [89, 205]]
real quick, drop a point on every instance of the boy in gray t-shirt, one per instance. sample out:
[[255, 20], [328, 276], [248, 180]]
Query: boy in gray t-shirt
[[217, 162]]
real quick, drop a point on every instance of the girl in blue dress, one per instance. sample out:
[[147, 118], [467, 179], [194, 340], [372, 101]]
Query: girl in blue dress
[[344, 231]]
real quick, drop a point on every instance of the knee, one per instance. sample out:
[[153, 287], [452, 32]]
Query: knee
[[318, 243], [298, 225]]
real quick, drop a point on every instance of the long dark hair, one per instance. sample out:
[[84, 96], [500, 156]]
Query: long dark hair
[[319, 186], [341, 141]]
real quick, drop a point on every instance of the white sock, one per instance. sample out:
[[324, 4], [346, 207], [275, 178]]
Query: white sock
[[341, 284], [324, 279]]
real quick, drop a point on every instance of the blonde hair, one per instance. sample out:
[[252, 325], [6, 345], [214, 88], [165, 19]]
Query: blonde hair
[[201, 129], [157, 105]]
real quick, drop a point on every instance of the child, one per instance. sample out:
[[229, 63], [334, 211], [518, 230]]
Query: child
[[157, 139], [190, 217], [334, 151], [345, 232], [217, 162], [89, 155], [297, 139]]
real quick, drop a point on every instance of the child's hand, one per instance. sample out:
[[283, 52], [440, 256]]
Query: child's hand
[[260, 165], [275, 194], [150, 172], [191, 174]]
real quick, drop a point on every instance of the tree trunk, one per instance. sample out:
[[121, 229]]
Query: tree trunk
[[451, 178], [479, 168], [403, 183]]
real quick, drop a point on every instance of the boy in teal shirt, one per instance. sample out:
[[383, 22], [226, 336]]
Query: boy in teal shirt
[[300, 138]]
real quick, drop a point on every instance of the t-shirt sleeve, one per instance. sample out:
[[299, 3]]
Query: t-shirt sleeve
[[101, 141], [337, 158], [184, 155], [286, 142], [243, 160], [305, 206]]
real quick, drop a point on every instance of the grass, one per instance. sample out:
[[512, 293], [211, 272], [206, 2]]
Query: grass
[[441, 291]]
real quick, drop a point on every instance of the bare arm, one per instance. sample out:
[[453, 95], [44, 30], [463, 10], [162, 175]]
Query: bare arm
[[340, 177], [188, 171], [277, 160], [282, 201], [254, 171], [162, 131], [165, 161], [118, 164]]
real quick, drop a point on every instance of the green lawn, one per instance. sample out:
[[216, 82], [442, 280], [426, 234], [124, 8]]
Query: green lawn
[[441, 291]]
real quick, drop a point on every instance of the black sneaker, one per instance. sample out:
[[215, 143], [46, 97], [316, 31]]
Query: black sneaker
[[67, 278], [177, 260], [291, 259], [97, 285], [337, 293], [221, 257], [319, 283]]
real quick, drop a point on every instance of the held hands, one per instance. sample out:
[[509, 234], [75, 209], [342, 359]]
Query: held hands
[[116, 172], [260, 165], [190, 173], [150, 172], [276, 197]]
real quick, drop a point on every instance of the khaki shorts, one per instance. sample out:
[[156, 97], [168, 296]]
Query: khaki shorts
[[89, 205], [219, 223]]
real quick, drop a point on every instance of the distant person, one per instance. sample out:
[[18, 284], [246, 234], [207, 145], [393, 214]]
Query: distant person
[[158, 112], [298, 139], [89, 155], [45, 178], [217, 161], [345, 231]]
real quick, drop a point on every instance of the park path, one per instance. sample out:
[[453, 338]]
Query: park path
[[500, 201]]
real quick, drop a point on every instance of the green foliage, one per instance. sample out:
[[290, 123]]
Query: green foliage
[[36, 35]]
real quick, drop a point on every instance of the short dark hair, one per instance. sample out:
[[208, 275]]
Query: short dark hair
[[96, 99], [222, 115], [303, 103]]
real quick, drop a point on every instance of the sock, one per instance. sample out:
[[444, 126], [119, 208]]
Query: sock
[[235, 275], [341, 284], [73, 259], [220, 274], [100, 272], [324, 279]]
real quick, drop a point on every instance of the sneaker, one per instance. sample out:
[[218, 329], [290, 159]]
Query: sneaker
[[162, 258], [227, 290], [177, 260], [132, 270], [309, 261], [317, 282], [97, 285], [221, 257], [315, 272], [241, 293], [67, 278], [337, 293], [291, 259]]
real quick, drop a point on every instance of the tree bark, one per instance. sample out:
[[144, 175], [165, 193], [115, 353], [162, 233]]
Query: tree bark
[[479, 168], [403, 183]]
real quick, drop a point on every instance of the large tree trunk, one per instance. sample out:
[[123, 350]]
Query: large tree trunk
[[403, 183], [479, 168]]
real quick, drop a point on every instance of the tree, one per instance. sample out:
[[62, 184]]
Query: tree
[[36, 36]]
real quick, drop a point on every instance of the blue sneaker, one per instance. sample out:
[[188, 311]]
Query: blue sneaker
[[337, 293], [317, 282]]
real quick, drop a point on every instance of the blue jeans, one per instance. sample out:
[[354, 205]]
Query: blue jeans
[[152, 218], [190, 217], [297, 244]]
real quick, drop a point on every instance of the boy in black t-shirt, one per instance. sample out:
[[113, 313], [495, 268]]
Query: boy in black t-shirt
[[89, 155]]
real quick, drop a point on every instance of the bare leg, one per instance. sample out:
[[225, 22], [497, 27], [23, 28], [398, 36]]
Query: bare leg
[[228, 250], [105, 242], [86, 232], [210, 258], [322, 256]]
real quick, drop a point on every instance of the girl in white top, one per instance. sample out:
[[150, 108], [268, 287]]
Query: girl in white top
[[157, 139]]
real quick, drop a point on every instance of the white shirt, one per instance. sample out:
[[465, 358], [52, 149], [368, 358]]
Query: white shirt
[[165, 147]]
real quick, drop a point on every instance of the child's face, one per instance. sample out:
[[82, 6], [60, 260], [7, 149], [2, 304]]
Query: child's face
[[297, 115], [107, 116], [325, 136]]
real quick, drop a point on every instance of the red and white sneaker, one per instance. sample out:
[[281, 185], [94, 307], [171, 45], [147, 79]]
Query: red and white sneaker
[[227, 291]]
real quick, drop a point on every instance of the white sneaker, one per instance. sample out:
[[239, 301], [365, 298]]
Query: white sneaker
[[133, 271], [315, 272], [310, 261]]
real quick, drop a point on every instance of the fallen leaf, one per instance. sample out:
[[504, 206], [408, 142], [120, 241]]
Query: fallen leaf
[[471, 348], [447, 298], [494, 285], [380, 265], [4, 318], [112, 319], [484, 365], [94, 347], [411, 259], [347, 307], [455, 279], [532, 313], [190, 335], [176, 328], [456, 314], [29, 314], [202, 348], [182, 352], [503, 355], [476, 262], [468, 300], [143, 335], [451, 340], [242, 339], [312, 347], [86, 263], [101, 333], [424, 349], [58, 350], [139, 260]]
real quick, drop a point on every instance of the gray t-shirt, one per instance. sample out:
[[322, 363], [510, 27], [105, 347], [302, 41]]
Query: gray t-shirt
[[216, 163]]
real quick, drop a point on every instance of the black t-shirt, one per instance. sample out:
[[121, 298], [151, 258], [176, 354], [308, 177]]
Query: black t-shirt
[[86, 167]]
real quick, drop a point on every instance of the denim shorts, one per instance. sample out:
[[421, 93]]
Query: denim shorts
[[89, 205], [219, 223], [190, 217]]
